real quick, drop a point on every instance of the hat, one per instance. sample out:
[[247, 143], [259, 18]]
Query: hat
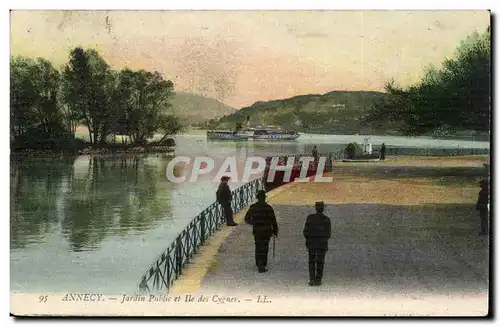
[[319, 203], [261, 193], [225, 178]]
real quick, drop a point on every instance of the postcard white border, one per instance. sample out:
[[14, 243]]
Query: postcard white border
[[185, 4]]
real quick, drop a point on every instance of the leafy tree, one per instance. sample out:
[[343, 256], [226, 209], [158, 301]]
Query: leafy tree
[[170, 125], [23, 96], [238, 127], [143, 97], [86, 91], [35, 114], [454, 97], [48, 106]]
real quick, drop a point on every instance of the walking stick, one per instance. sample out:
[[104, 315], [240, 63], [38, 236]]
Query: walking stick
[[274, 245]]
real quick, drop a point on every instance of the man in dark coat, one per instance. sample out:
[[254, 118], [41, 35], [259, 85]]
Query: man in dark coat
[[317, 232], [315, 154], [261, 216], [224, 197], [382, 152], [482, 206]]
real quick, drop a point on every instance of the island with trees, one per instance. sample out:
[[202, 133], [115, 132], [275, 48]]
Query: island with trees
[[122, 110]]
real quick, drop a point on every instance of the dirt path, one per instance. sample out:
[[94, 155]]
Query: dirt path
[[400, 245]]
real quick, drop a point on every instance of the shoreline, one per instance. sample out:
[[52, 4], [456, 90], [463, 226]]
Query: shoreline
[[103, 151], [481, 139]]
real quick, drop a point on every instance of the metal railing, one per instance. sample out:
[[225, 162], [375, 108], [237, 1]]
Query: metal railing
[[169, 265], [417, 151], [459, 151]]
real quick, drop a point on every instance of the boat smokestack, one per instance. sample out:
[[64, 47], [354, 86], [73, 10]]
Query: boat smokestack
[[248, 121]]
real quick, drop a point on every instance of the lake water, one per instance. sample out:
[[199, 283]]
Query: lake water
[[96, 224]]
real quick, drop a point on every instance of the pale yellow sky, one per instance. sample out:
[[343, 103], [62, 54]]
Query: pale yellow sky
[[240, 57]]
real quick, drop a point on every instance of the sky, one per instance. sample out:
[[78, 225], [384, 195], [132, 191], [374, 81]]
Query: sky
[[241, 57]]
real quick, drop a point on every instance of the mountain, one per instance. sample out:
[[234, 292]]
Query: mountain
[[195, 108], [336, 112]]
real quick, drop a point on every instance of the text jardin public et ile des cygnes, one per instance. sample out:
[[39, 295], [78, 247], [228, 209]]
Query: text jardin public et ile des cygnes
[[186, 298]]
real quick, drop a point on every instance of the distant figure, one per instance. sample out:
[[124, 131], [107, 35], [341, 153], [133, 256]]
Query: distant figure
[[261, 216], [315, 154], [224, 198], [317, 232], [350, 151], [382, 152], [367, 147], [482, 206]]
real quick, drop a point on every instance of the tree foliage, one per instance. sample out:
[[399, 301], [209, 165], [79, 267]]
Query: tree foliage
[[453, 97], [143, 97], [48, 104], [35, 115], [86, 86]]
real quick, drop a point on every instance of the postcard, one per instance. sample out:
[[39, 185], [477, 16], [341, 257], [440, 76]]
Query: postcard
[[250, 163]]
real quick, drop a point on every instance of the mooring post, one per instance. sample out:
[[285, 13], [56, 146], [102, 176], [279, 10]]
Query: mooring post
[[178, 256], [202, 224]]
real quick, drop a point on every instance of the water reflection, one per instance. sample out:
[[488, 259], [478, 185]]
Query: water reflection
[[92, 198], [241, 149], [36, 189]]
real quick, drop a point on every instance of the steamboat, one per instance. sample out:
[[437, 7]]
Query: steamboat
[[254, 133], [259, 133]]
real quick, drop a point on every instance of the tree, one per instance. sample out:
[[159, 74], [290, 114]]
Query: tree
[[454, 97], [169, 125], [35, 114], [144, 97], [86, 89], [23, 96], [238, 126]]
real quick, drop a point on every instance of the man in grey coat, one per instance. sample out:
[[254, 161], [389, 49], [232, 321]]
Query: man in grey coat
[[317, 232]]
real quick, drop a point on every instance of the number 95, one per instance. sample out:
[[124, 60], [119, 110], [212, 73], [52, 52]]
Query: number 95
[[42, 298]]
